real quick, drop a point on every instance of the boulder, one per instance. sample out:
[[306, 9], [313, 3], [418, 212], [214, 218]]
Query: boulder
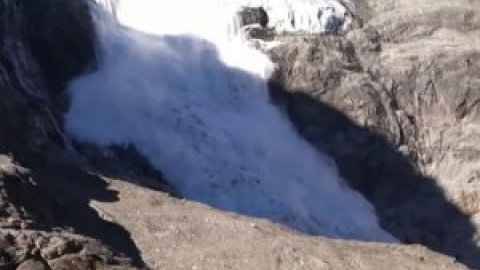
[[252, 16]]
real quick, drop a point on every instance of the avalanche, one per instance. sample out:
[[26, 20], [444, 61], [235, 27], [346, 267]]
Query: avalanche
[[175, 82]]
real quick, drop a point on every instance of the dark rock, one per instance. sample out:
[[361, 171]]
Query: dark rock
[[7, 262], [254, 22], [43, 45], [265, 34], [59, 246], [253, 15], [26, 199], [61, 37]]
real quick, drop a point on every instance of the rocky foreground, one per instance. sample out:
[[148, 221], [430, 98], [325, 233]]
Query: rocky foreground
[[164, 232], [394, 102]]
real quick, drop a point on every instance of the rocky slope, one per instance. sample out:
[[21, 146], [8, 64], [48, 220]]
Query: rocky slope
[[66, 206], [43, 44], [395, 103], [30, 238], [160, 230]]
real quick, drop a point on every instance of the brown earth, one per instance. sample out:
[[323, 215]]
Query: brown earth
[[165, 232]]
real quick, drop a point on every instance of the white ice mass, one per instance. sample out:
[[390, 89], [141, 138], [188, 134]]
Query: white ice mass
[[311, 16], [174, 82]]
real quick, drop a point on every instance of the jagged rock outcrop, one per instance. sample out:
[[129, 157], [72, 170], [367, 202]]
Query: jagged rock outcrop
[[29, 237], [43, 45], [253, 15], [409, 82]]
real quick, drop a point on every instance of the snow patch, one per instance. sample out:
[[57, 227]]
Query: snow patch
[[310, 16]]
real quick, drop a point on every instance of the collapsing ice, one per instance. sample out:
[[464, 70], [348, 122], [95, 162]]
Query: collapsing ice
[[173, 83], [308, 16]]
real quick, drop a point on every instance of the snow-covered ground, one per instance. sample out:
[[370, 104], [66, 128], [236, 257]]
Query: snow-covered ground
[[192, 99]]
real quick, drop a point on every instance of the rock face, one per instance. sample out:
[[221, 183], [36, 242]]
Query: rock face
[[43, 44], [67, 206], [396, 103], [61, 35], [30, 238]]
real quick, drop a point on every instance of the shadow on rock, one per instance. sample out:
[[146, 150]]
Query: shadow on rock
[[74, 190], [61, 197], [54, 43], [411, 206]]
